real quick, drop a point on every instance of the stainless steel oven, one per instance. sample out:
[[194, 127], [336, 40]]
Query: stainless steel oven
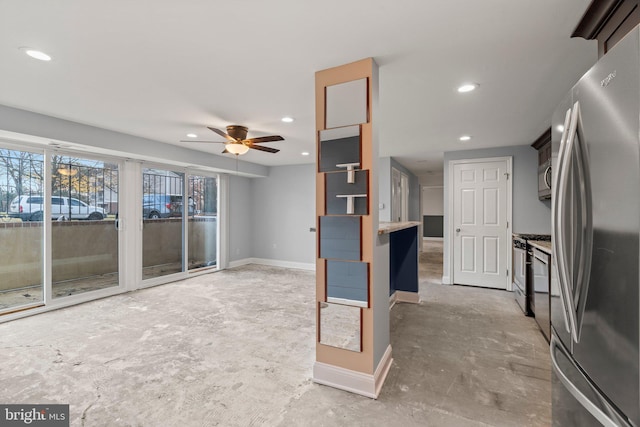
[[541, 273], [520, 260]]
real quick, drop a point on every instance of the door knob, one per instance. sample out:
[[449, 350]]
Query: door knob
[[457, 230]]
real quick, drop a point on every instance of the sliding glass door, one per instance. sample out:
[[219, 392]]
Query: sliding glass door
[[62, 226], [84, 235]]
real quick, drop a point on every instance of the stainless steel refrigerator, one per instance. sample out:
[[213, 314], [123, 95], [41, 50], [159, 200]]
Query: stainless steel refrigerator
[[596, 245]]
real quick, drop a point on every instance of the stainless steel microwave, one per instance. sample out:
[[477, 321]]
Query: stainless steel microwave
[[544, 180]]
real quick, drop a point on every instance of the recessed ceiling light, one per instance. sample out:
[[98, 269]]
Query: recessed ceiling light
[[192, 135], [287, 119], [305, 153], [467, 87], [560, 128], [36, 54], [465, 138]]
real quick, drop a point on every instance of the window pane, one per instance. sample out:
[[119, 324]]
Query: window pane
[[203, 221], [21, 231]]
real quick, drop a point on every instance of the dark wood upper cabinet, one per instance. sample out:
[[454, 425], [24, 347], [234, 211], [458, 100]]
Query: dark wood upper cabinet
[[608, 21], [543, 145]]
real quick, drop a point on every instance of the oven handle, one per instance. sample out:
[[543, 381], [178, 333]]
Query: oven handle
[[542, 258]]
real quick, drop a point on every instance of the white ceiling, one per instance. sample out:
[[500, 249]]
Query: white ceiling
[[163, 68]]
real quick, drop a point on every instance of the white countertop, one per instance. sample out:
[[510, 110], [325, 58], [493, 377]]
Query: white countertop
[[390, 227], [543, 245]]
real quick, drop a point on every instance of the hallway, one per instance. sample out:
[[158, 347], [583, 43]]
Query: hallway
[[236, 348]]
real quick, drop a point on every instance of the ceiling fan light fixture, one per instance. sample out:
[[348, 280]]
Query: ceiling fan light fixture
[[67, 171], [237, 149]]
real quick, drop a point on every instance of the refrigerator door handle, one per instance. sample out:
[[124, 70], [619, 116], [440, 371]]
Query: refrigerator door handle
[[604, 419], [558, 197], [584, 246], [566, 262]]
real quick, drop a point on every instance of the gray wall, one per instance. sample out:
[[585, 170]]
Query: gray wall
[[240, 222], [283, 210], [384, 180], [384, 184], [530, 215], [414, 191], [115, 143]]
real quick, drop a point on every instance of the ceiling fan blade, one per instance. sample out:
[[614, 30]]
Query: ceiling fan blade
[[261, 148], [262, 139], [210, 142], [222, 134]]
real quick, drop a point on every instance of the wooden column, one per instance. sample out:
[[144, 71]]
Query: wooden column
[[363, 371]]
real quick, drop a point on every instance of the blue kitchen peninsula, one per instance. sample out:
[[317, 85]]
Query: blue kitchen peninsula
[[403, 260]]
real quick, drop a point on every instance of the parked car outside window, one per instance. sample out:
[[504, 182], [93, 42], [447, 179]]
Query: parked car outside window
[[31, 208], [156, 206]]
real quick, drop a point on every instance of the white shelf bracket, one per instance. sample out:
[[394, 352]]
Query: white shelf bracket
[[351, 171], [350, 201]]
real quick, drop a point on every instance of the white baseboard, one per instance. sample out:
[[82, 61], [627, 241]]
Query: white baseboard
[[446, 280], [434, 239], [240, 262], [410, 297], [352, 381], [273, 263]]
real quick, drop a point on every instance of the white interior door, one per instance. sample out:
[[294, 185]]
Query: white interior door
[[480, 217]]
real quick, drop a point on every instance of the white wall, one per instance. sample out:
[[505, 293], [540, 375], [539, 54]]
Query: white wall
[[432, 201], [283, 211], [530, 215], [432, 179]]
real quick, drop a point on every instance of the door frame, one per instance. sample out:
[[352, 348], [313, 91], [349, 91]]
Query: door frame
[[404, 196], [448, 278]]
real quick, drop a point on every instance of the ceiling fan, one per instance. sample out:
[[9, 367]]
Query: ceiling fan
[[237, 142]]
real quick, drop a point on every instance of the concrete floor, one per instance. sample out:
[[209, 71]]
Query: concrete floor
[[236, 348]]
